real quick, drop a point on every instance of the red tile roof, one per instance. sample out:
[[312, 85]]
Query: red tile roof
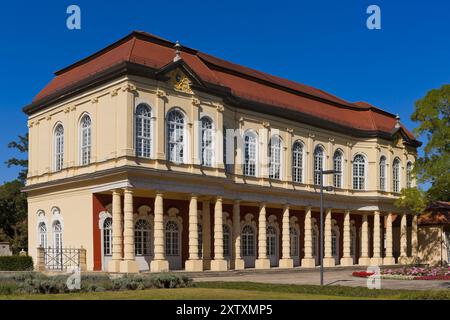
[[245, 83]]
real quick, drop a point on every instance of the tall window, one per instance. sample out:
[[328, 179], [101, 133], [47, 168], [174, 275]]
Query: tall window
[[396, 176], [57, 235], [315, 240], [409, 175], [383, 173], [293, 237], [250, 157], [334, 243], [271, 241], [226, 240], [359, 172], [172, 239], [42, 229], [175, 133], [200, 240], [297, 162], [59, 147], [142, 238], [143, 131], [86, 140], [337, 166], [228, 162], [275, 158], [207, 142], [107, 237], [248, 241], [318, 164]]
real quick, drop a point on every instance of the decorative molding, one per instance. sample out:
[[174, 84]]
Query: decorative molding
[[114, 92], [94, 100], [48, 118], [331, 139], [195, 101], [161, 93], [311, 135], [266, 124], [290, 130], [220, 107], [129, 88], [349, 144]]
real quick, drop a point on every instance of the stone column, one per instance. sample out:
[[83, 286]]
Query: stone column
[[403, 259], [376, 260], [286, 261], [114, 264], [347, 259], [40, 260], [159, 263], [308, 261], [389, 259], [414, 238], [239, 263], [206, 234], [129, 263], [194, 264], [219, 263], [262, 262], [364, 259], [328, 259]]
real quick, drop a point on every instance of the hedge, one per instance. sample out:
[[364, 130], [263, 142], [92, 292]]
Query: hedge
[[16, 263]]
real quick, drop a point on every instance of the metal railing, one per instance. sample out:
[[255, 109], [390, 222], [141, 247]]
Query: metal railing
[[60, 259]]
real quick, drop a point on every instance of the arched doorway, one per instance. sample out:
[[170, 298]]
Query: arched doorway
[[272, 245]]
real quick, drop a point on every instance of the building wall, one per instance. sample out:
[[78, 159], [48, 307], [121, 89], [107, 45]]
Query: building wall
[[432, 245]]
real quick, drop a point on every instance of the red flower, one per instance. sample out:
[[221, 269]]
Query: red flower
[[362, 274]]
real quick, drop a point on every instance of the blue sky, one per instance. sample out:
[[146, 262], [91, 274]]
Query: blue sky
[[321, 43]]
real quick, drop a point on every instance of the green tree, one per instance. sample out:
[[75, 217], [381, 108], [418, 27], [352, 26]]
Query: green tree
[[412, 199], [433, 115], [22, 146]]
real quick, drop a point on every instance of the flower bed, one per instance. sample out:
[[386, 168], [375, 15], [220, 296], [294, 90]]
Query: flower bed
[[410, 273]]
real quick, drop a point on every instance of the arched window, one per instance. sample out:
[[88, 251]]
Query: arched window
[[86, 140], [57, 235], [396, 176], [251, 154], [248, 241], [207, 135], [226, 240], [334, 243], [143, 131], [271, 235], [297, 162], [176, 139], [172, 239], [107, 237], [275, 158], [337, 166], [318, 164], [293, 237], [383, 173], [142, 238], [200, 240], [42, 230], [59, 147], [409, 175], [359, 172]]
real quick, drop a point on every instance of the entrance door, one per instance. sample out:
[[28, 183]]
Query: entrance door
[[294, 245], [272, 246], [249, 246], [106, 242], [173, 245], [335, 246], [227, 244]]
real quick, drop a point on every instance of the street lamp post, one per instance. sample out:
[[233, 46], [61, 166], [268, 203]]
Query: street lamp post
[[322, 173]]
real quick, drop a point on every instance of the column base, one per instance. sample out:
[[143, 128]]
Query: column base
[[286, 263], [219, 265], [262, 264], [129, 266], [194, 266], [206, 264], [159, 266], [376, 261], [114, 266], [347, 261], [389, 261], [364, 261], [308, 263], [239, 264], [329, 262], [403, 260]]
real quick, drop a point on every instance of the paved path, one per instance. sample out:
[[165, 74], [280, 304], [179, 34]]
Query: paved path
[[311, 277]]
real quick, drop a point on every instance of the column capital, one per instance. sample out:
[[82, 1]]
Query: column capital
[[128, 190], [286, 206], [263, 204], [219, 198], [159, 193], [117, 191], [194, 196], [237, 201]]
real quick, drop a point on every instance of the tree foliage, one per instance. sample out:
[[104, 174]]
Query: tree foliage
[[412, 199], [22, 146]]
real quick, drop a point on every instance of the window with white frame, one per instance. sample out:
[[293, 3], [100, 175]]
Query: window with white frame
[[383, 173], [293, 237], [275, 158], [248, 241], [334, 243], [250, 156], [337, 166], [57, 235], [297, 162], [318, 164], [176, 139], [314, 242], [59, 147], [228, 166], [271, 243], [207, 134], [42, 230], [143, 131], [226, 240], [359, 172], [200, 240], [86, 140], [172, 239], [396, 176], [142, 238], [409, 175], [107, 237]]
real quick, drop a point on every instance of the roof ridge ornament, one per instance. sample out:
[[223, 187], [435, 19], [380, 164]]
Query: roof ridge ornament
[[397, 121], [177, 48]]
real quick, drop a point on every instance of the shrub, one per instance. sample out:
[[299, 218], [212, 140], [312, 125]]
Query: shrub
[[16, 263]]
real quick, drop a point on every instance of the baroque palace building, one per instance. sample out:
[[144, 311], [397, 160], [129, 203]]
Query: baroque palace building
[[148, 155]]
